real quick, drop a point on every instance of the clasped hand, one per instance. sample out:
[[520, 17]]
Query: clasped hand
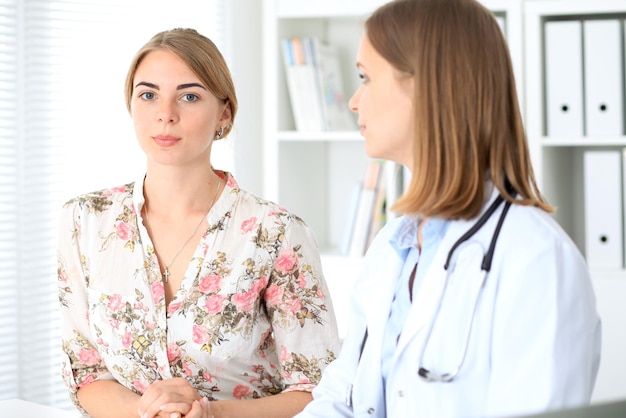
[[173, 398]]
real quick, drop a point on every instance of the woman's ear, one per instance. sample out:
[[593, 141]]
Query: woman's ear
[[227, 113]]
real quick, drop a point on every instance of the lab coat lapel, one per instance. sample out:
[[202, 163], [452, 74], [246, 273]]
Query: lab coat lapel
[[384, 277], [429, 293], [378, 286]]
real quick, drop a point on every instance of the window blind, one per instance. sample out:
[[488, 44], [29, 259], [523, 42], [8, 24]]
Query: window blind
[[64, 130]]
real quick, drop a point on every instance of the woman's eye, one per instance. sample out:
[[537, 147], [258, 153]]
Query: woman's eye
[[148, 95], [363, 77], [190, 97]]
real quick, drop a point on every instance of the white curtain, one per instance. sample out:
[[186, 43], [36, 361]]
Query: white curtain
[[64, 130]]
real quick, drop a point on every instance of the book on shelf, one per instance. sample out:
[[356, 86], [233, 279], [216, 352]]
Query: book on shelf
[[314, 84], [367, 212]]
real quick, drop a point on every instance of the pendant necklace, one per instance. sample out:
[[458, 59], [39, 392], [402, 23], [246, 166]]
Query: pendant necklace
[[166, 270]]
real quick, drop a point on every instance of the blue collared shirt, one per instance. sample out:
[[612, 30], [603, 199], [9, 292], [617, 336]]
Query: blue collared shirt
[[404, 241]]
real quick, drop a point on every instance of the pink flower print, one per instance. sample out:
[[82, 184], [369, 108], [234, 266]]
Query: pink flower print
[[109, 192], [284, 354], [173, 352], [249, 225], [150, 325], [301, 281], [292, 305], [207, 376], [210, 283], [89, 357], [231, 182], [127, 339], [241, 391], [287, 262], [124, 231], [259, 285], [200, 334], [115, 303], [244, 301], [320, 293], [114, 323], [187, 369], [158, 291], [140, 385], [173, 307], [274, 295], [214, 304], [87, 380]]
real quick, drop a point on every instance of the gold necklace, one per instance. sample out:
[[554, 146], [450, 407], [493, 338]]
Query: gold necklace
[[166, 271]]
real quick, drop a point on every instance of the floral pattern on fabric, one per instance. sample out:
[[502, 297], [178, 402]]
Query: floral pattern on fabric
[[251, 318]]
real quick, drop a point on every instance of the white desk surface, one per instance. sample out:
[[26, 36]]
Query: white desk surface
[[17, 408]]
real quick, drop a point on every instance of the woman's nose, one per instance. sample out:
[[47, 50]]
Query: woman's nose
[[167, 113]]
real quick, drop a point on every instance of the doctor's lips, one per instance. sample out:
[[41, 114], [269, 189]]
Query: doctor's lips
[[165, 140]]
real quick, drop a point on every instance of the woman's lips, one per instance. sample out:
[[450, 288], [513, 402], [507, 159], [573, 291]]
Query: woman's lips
[[165, 140]]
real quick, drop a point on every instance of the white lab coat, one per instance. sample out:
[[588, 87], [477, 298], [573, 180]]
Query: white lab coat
[[535, 341]]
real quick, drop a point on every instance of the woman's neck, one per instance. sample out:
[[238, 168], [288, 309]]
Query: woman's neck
[[180, 193]]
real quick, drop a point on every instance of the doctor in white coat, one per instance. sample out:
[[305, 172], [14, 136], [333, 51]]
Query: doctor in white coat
[[474, 303]]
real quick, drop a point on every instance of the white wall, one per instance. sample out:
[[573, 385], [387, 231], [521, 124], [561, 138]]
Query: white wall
[[246, 138]]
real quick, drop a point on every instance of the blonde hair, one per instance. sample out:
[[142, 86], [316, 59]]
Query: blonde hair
[[202, 57], [467, 117]]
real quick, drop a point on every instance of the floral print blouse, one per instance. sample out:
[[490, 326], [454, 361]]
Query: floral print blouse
[[252, 316]]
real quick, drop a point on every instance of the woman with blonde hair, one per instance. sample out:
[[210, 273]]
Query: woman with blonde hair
[[181, 293]]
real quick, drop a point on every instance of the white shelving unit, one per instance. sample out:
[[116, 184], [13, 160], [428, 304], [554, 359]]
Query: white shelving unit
[[558, 163]]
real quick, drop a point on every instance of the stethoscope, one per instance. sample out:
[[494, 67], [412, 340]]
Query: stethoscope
[[424, 373]]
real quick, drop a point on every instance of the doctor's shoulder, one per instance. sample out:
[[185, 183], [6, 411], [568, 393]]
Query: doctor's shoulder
[[532, 231]]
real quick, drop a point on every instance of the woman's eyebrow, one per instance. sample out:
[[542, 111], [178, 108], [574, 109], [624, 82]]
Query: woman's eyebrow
[[145, 83], [179, 87], [187, 85]]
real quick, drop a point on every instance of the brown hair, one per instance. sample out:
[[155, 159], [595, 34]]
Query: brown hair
[[467, 116], [201, 55]]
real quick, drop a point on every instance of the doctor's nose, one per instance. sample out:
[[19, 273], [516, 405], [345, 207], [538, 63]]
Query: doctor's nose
[[353, 103]]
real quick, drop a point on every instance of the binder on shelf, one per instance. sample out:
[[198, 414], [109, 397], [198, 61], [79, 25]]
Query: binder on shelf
[[604, 99], [563, 78], [301, 80], [502, 23], [604, 247]]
